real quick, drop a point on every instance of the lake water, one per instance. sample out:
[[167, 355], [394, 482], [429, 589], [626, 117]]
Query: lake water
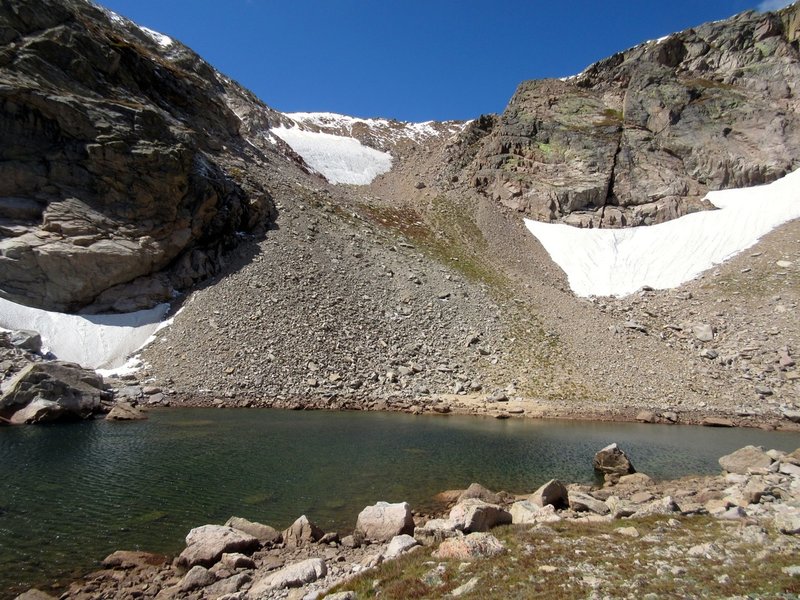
[[70, 494]]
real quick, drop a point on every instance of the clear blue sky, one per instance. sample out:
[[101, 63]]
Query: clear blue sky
[[412, 60]]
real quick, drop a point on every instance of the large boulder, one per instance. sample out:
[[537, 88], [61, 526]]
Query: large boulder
[[476, 490], [613, 461], [205, 545], [61, 390], [470, 547], [264, 533], [553, 492], [25, 339], [580, 502], [750, 459], [301, 532], [294, 575], [476, 515], [382, 521]]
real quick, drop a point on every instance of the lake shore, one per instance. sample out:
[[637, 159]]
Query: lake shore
[[694, 536], [506, 408]]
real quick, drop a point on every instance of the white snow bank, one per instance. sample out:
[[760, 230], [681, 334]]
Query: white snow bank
[[617, 262], [389, 128], [93, 341], [339, 159], [159, 38]]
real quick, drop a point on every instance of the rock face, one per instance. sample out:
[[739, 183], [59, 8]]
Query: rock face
[[112, 168], [48, 391], [383, 521], [612, 461], [640, 137]]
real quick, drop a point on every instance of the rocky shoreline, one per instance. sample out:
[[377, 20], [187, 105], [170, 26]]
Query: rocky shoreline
[[758, 491]]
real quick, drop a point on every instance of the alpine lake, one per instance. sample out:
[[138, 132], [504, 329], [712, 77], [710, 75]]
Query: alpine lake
[[70, 494]]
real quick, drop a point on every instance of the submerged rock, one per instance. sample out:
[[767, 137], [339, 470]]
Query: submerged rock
[[125, 411]]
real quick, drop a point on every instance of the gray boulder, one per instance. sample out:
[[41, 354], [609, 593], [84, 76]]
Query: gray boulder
[[264, 533], [205, 545], [580, 502], [301, 532], [294, 575], [26, 340], [750, 459], [63, 389], [553, 492], [383, 521], [470, 547], [612, 460], [400, 544], [476, 515]]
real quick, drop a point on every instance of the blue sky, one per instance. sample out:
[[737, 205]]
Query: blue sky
[[412, 60]]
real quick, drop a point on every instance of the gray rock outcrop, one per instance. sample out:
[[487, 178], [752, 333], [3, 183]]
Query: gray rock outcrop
[[746, 460], [115, 185], [640, 137]]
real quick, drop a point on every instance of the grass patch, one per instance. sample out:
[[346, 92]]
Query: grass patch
[[580, 560]]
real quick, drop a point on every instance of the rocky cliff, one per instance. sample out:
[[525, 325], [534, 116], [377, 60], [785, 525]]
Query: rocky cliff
[[117, 146], [640, 137]]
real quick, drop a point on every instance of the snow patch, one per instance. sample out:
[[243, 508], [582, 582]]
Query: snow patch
[[339, 159], [159, 38], [389, 128], [92, 341], [617, 262]]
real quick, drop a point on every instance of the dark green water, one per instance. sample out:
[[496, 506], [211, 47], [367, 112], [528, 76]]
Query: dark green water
[[70, 494]]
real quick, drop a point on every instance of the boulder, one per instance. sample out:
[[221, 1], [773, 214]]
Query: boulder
[[128, 559], [27, 340], [662, 506], [125, 411], [294, 575], [229, 585], [580, 502], [788, 522], [400, 544], [476, 490], [237, 560], [38, 410], [301, 532], [76, 391], [476, 515], [34, 594], [470, 547], [197, 577], [382, 521], [435, 531], [524, 512], [553, 492], [749, 459], [612, 460], [263, 533], [205, 545]]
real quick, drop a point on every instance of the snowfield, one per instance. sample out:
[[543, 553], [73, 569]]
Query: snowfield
[[618, 262], [93, 341], [339, 159]]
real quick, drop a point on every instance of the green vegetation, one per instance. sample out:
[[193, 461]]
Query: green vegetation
[[695, 557]]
